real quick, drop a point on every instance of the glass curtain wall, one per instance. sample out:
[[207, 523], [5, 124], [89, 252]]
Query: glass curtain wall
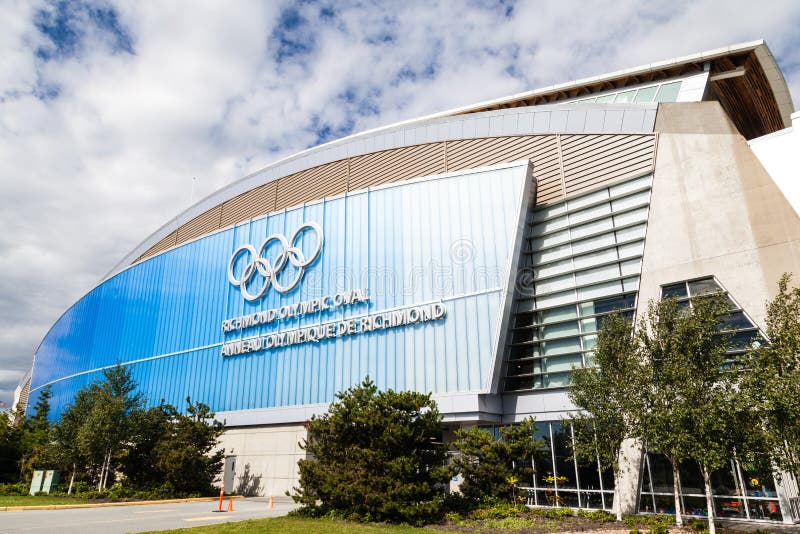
[[561, 481], [740, 491], [583, 257]]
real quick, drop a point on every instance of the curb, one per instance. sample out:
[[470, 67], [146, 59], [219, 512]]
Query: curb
[[109, 504]]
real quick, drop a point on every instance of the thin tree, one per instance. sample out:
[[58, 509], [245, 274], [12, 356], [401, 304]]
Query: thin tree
[[609, 395]]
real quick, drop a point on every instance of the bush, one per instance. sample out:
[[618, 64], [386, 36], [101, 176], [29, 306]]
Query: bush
[[658, 529], [376, 456], [597, 515], [498, 511], [20, 488], [634, 531]]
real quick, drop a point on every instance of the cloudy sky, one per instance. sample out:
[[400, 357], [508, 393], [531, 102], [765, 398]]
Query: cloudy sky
[[108, 110]]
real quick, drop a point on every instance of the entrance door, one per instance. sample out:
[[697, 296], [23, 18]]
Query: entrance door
[[229, 473]]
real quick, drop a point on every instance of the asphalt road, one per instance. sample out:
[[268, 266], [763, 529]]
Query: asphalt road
[[121, 519]]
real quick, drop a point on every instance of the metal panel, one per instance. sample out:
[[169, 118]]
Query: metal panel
[[447, 239]]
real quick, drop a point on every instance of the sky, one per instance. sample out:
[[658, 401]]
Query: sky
[[109, 110]]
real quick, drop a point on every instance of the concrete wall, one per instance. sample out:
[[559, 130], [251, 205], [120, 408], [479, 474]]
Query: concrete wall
[[271, 452], [715, 211]]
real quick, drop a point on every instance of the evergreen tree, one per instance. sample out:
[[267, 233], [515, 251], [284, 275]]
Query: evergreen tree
[[10, 446], [375, 455], [35, 437], [492, 467]]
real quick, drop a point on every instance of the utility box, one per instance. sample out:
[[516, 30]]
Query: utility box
[[36, 482], [51, 481]]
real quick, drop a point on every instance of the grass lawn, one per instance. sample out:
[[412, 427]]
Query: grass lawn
[[38, 500], [293, 525]]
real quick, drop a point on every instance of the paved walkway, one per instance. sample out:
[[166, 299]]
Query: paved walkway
[[123, 519]]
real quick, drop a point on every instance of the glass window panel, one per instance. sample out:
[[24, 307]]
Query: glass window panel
[[591, 228], [524, 319], [558, 314], [588, 359], [600, 256], [516, 384], [560, 330], [631, 200], [529, 351], [742, 340], [585, 200], [757, 482], [589, 478], [629, 234], [562, 363], [557, 380], [590, 213], [674, 290], [591, 500], [619, 302], [524, 336], [722, 482], [589, 325], [661, 472], [765, 510], [550, 225], [695, 505], [706, 285], [630, 185], [604, 99], [553, 268], [589, 342], [599, 290], [555, 284], [729, 507], [556, 299], [550, 240], [665, 504], [561, 346], [631, 267], [668, 92], [631, 249], [549, 211], [524, 367], [630, 284], [691, 478], [631, 217], [735, 321], [646, 94], [625, 96], [524, 305], [599, 241], [555, 253], [597, 275]]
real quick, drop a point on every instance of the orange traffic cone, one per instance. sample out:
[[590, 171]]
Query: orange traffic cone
[[230, 504], [221, 496], [271, 503]]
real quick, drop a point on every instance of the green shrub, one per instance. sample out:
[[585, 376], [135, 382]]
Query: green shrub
[[559, 513], [634, 531], [20, 488], [658, 529], [497, 511], [597, 515]]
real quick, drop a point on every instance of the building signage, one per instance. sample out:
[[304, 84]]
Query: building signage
[[333, 329], [269, 269], [260, 266]]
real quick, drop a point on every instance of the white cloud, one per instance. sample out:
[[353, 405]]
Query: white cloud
[[88, 174]]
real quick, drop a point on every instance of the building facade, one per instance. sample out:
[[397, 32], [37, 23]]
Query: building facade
[[470, 254]]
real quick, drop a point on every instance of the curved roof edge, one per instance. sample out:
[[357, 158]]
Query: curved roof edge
[[437, 127], [560, 118]]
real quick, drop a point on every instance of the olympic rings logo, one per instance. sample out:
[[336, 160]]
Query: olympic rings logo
[[269, 269]]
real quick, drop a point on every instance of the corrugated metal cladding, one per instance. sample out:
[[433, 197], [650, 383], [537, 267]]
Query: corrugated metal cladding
[[562, 165], [446, 239]]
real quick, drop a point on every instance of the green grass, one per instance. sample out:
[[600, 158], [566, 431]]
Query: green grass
[[38, 500], [295, 525]]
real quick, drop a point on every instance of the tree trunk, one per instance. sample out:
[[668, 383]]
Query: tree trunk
[[108, 468], [712, 529], [71, 479], [100, 478], [676, 492], [617, 503]]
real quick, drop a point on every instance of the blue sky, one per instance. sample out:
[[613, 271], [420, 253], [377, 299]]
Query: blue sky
[[109, 109]]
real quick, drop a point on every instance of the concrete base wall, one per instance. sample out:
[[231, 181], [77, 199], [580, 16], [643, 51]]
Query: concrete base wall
[[268, 452]]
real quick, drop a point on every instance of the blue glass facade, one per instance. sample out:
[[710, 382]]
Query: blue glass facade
[[448, 239]]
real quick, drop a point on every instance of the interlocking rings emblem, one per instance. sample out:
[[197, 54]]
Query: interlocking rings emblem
[[269, 269]]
